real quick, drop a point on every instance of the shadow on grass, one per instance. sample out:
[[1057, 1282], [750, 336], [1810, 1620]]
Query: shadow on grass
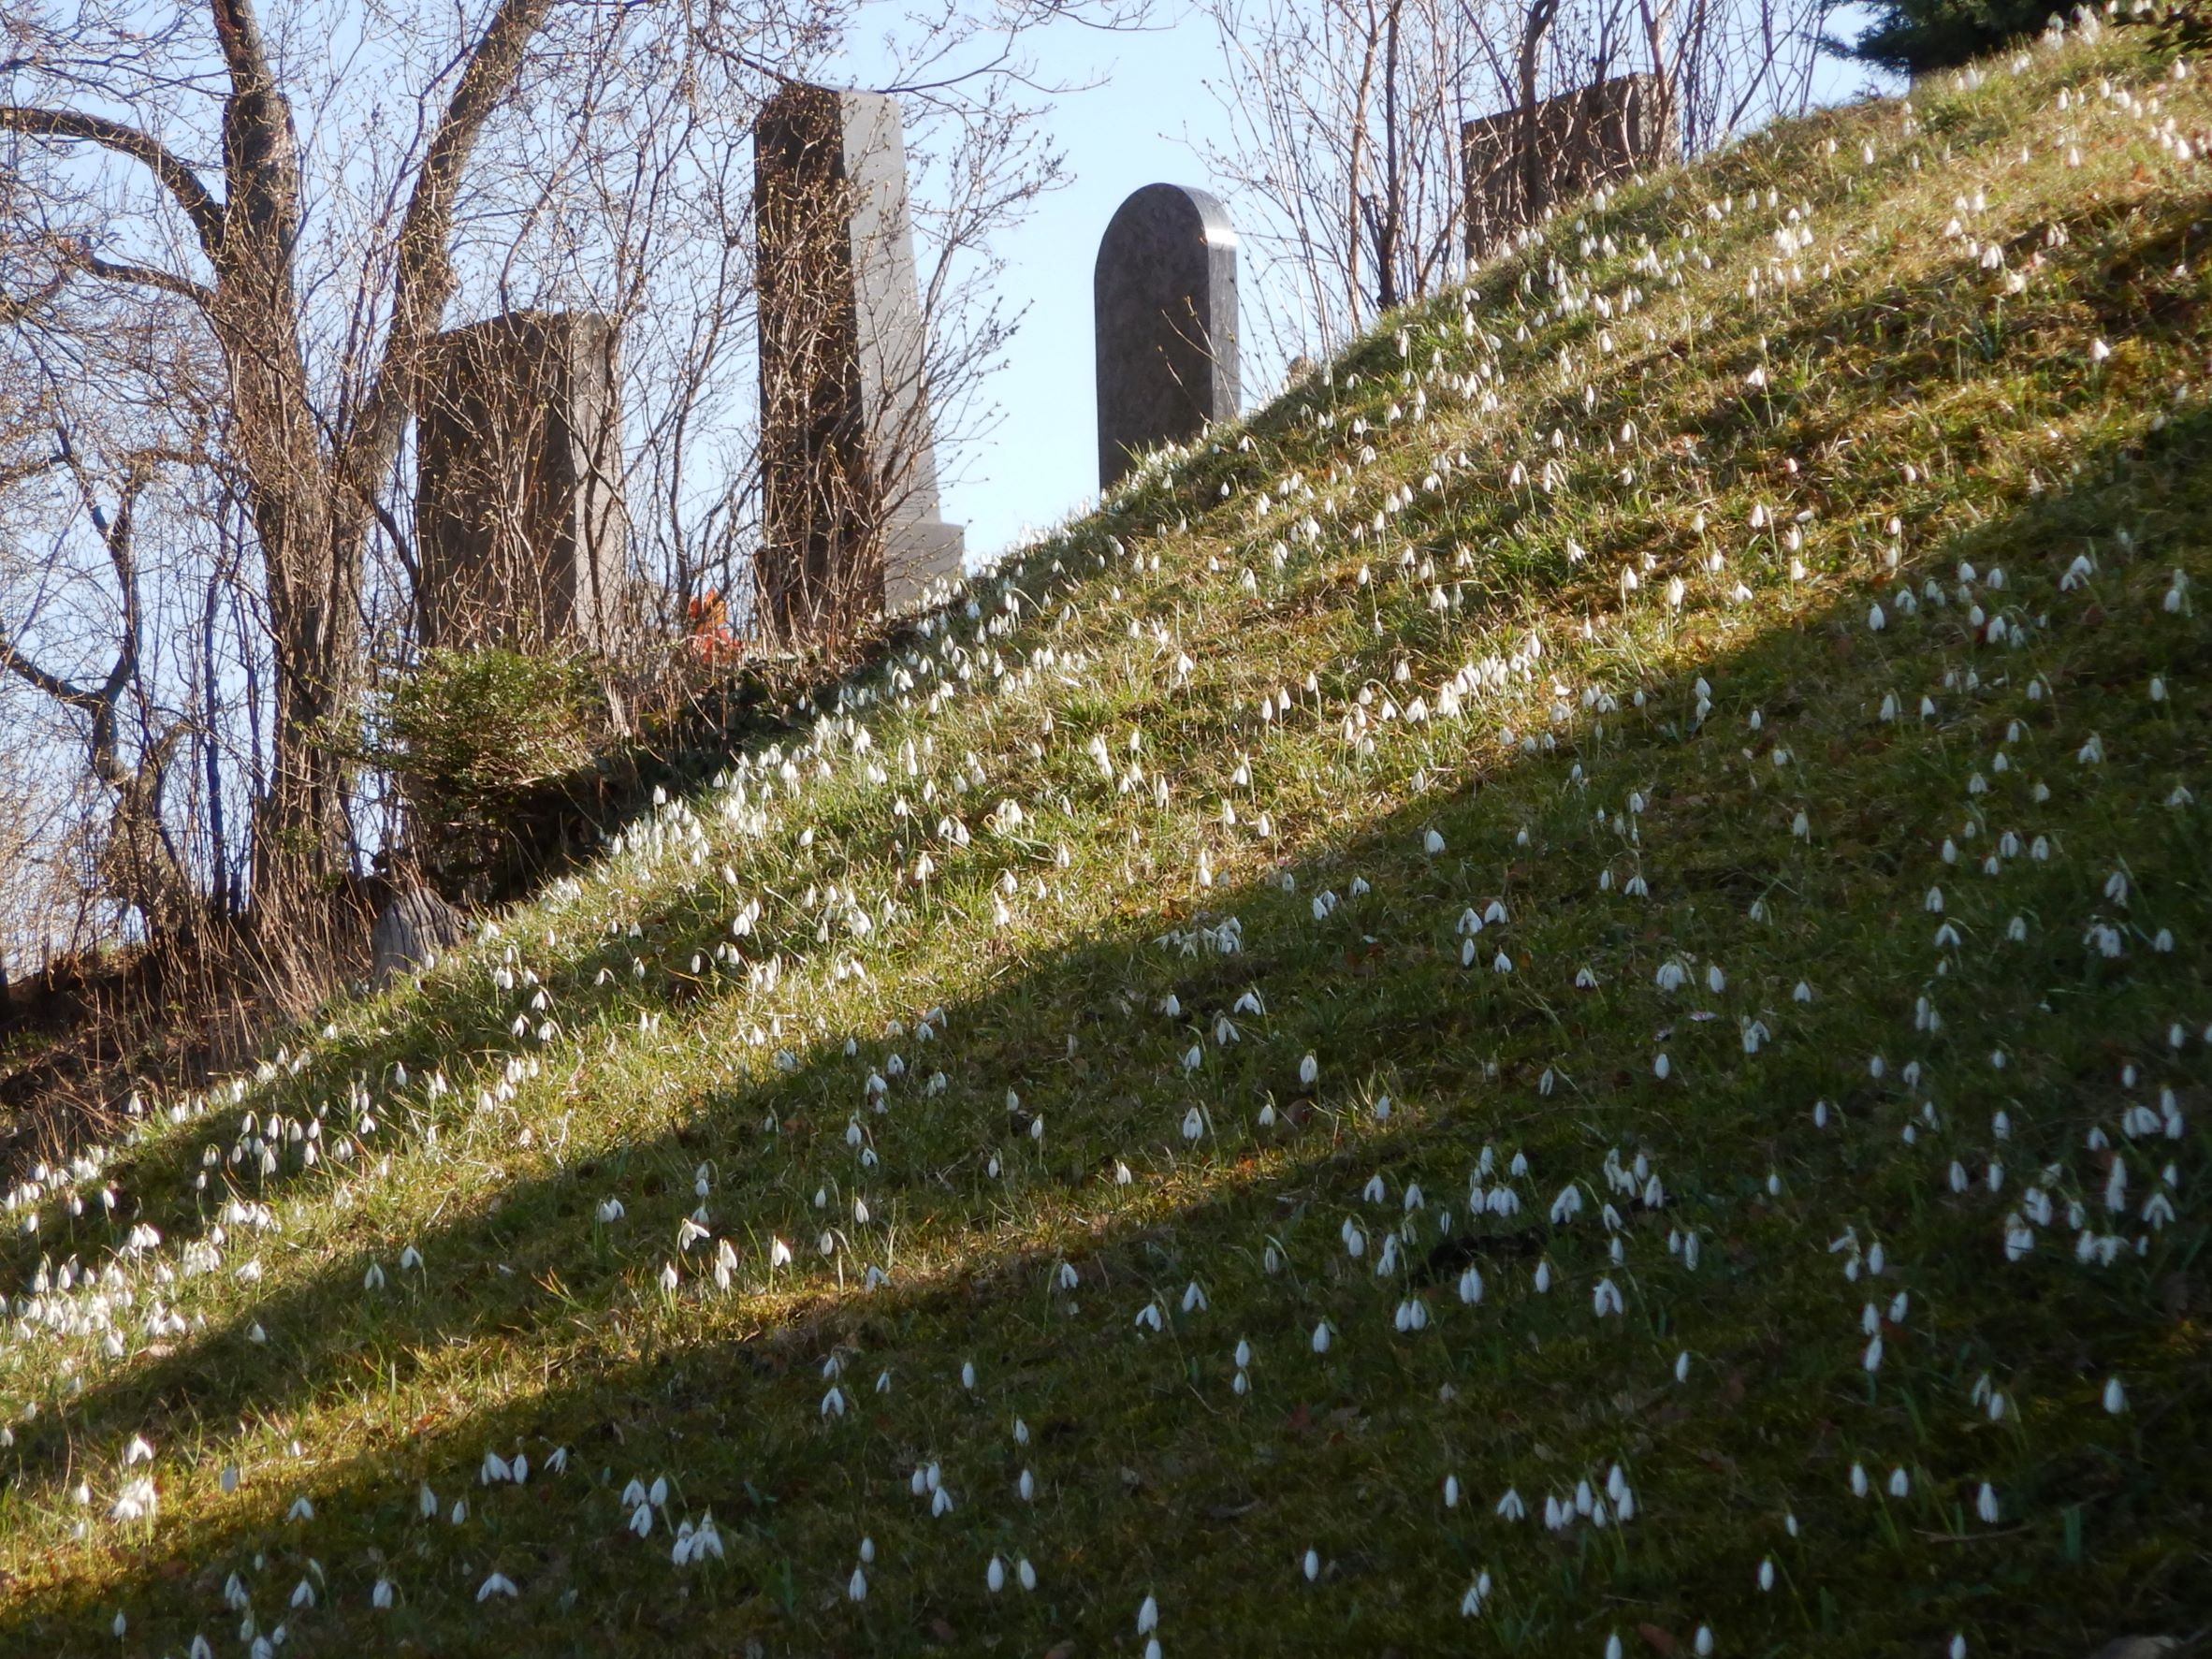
[[734, 1412]]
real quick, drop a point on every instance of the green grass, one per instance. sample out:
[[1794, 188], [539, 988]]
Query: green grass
[[1624, 774]]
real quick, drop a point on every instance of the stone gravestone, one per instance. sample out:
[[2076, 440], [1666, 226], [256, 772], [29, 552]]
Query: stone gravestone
[[520, 529], [848, 459], [411, 929], [1164, 294], [1584, 138]]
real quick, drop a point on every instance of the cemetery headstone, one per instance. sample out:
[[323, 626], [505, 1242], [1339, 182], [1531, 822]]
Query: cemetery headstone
[[520, 529], [1164, 296], [851, 519], [410, 931], [1583, 139]]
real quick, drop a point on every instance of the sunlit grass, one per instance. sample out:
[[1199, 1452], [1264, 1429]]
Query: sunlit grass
[[1652, 730]]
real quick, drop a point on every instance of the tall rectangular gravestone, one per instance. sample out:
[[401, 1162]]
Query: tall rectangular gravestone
[[848, 456], [520, 536], [1583, 139], [1164, 298]]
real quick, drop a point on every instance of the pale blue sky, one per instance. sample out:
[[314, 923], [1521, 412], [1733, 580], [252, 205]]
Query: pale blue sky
[[1144, 118], [1138, 126]]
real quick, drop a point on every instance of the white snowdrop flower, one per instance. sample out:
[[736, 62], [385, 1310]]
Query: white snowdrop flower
[[498, 1585], [1431, 843], [1876, 620], [380, 1595], [1900, 1484], [1605, 1298], [1147, 1616], [856, 1587], [1194, 1124], [2099, 350], [1470, 1287], [1662, 1066], [1543, 1278], [1767, 1573], [1986, 1504], [2091, 751], [1321, 1337], [1510, 1508], [1704, 1642], [1871, 1359], [2116, 1397], [611, 1210], [1309, 1072]]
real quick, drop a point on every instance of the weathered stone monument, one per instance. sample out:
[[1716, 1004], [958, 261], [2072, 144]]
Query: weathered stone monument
[[848, 456], [520, 529], [1583, 139], [414, 926], [1164, 296]]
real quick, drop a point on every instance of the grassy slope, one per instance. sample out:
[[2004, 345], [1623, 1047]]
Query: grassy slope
[[1916, 414]]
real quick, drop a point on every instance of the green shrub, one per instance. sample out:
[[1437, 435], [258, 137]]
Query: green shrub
[[477, 740]]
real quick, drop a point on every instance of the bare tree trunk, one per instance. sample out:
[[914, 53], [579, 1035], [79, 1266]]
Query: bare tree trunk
[[1394, 212], [1535, 178]]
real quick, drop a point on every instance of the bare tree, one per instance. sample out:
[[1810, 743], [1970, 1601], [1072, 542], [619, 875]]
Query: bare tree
[[235, 240], [1343, 159], [1348, 162]]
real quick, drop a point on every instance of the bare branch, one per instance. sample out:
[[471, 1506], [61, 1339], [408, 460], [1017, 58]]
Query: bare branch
[[425, 278], [176, 175]]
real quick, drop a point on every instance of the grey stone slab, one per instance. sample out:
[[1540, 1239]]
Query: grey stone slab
[[1583, 139], [1164, 298], [520, 534], [852, 520], [410, 931]]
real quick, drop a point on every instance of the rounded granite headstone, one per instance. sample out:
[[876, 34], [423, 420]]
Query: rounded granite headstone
[[1165, 293]]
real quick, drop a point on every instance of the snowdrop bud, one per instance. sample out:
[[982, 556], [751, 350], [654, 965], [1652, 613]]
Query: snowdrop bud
[[2116, 1397], [1321, 1337], [1704, 1644], [856, 1587], [1147, 1616]]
